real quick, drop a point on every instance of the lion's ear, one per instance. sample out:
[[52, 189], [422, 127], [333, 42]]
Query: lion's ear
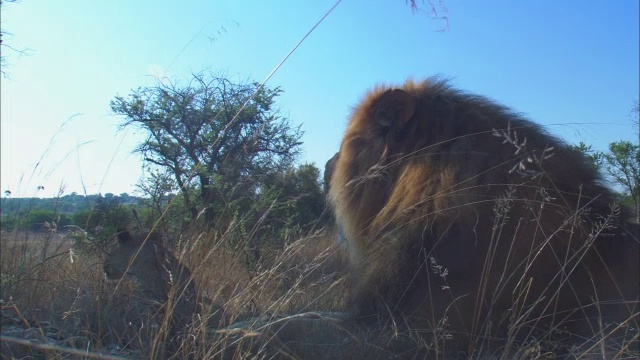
[[394, 108], [124, 236]]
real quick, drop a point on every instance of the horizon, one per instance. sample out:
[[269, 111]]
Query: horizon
[[571, 68]]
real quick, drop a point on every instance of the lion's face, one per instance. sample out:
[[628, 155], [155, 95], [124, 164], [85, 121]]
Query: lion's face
[[157, 274], [117, 262]]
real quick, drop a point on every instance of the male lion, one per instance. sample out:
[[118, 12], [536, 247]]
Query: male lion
[[466, 219]]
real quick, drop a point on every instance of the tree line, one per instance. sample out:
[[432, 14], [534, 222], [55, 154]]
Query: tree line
[[47, 214]]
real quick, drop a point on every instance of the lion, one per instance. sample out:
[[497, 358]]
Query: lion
[[164, 283], [465, 218], [158, 272]]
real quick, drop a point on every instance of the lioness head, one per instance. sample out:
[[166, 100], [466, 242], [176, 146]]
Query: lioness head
[[135, 255]]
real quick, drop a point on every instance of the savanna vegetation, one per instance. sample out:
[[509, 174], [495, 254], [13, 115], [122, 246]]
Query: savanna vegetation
[[230, 200], [250, 223]]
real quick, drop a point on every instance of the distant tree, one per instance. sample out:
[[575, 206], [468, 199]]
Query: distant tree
[[104, 218], [305, 197], [622, 164], [285, 206], [9, 223], [296, 200], [155, 190], [214, 136], [46, 220], [158, 190]]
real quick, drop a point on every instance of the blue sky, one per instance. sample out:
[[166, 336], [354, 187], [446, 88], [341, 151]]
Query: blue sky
[[570, 66]]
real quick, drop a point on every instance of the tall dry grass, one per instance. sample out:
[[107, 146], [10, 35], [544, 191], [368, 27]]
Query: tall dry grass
[[296, 292], [66, 291]]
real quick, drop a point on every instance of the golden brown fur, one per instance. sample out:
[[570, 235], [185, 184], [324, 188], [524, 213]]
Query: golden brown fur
[[462, 216], [144, 257], [162, 279]]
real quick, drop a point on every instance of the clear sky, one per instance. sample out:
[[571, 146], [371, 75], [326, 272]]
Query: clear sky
[[571, 66]]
